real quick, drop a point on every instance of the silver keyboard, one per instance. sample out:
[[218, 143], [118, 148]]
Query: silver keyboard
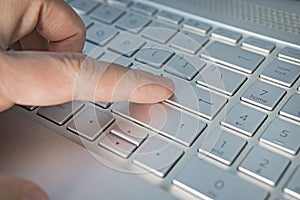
[[230, 131]]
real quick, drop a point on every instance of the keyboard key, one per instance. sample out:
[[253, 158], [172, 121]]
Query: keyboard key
[[121, 3], [258, 45], [263, 95], [158, 156], [293, 186], [103, 104], [290, 54], [163, 119], [132, 22], [282, 135], [117, 145], [87, 21], [233, 56], [116, 58], [222, 34], [61, 113], [169, 17], [196, 26], [209, 182], [107, 14], [291, 109], [264, 165], [143, 8], [244, 119], [92, 50], [90, 123], [129, 132], [222, 146], [100, 34], [83, 7], [30, 108], [280, 72], [221, 79], [126, 44], [159, 32], [188, 42], [184, 67], [196, 100], [153, 56]]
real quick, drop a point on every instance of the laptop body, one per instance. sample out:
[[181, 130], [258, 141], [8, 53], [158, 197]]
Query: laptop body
[[70, 167]]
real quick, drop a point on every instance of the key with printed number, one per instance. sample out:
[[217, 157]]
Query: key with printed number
[[211, 182], [222, 146], [132, 22], [281, 72], [220, 79], [162, 119], [291, 109], [283, 135], [263, 95], [126, 44], [61, 113], [158, 156], [90, 123], [244, 119], [233, 56], [106, 14], [264, 165]]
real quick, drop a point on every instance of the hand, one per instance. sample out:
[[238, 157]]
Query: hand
[[49, 71]]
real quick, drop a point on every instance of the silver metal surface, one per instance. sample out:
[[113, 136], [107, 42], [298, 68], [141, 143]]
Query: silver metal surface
[[211, 182], [244, 119], [264, 165], [233, 56]]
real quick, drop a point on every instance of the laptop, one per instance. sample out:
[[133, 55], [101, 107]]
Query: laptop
[[230, 131]]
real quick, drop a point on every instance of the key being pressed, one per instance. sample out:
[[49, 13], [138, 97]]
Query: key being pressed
[[222, 146], [211, 182], [90, 123], [233, 56], [158, 156], [264, 165], [220, 79], [281, 72], [162, 119], [263, 95], [291, 109], [244, 119], [282, 135], [61, 113], [292, 188]]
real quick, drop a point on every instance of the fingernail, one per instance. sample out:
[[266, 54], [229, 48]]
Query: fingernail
[[35, 194]]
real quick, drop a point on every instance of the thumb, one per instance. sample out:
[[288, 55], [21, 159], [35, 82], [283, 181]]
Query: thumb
[[12, 188]]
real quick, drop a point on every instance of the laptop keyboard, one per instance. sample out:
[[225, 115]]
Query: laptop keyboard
[[230, 131]]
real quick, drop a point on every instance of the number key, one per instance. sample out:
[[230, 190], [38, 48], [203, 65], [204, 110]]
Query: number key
[[264, 165]]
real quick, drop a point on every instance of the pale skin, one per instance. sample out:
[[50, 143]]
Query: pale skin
[[46, 68]]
